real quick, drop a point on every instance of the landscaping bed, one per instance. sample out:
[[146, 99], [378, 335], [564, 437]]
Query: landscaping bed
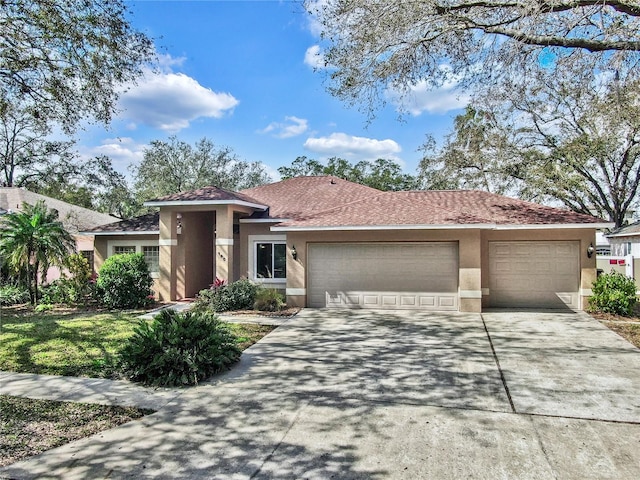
[[626, 327]]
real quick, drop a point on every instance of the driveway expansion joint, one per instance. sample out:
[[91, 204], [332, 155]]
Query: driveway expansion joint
[[495, 358]]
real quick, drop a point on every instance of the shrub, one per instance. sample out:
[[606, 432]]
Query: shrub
[[78, 282], [13, 295], [238, 295], [124, 281], [55, 292], [268, 300], [614, 293], [179, 349]]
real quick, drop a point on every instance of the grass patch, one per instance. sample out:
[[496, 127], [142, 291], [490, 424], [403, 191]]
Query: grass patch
[[29, 427], [249, 333], [74, 344], [77, 343]]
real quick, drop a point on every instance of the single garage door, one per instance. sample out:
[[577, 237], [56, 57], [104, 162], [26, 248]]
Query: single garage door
[[383, 275], [534, 274]]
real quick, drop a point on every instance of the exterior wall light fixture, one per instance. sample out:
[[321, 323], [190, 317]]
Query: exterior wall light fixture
[[294, 253], [590, 250]]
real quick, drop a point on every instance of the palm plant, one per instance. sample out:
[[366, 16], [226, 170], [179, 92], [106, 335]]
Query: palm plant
[[33, 240]]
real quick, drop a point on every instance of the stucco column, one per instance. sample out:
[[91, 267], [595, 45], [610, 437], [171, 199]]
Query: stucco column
[[224, 244], [588, 269], [470, 272], [168, 252], [296, 279]]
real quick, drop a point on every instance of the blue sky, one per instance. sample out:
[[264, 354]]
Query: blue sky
[[242, 74]]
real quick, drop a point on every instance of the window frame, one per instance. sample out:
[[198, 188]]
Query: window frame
[[139, 248], [254, 241]]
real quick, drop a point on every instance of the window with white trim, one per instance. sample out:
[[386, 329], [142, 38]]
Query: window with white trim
[[120, 249], [150, 252], [152, 257], [266, 256], [271, 260]]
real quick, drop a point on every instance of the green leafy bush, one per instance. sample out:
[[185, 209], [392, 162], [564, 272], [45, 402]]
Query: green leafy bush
[[74, 287], [179, 349], [268, 300], [238, 295], [124, 281], [13, 295], [54, 292], [614, 293]]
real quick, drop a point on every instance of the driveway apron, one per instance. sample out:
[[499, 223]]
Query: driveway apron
[[567, 365], [356, 395]]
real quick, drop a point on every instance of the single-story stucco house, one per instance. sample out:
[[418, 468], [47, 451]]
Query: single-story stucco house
[[327, 242]]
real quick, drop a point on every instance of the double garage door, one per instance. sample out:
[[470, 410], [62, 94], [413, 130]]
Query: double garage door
[[424, 275], [384, 275]]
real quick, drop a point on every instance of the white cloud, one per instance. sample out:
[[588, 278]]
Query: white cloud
[[314, 57], [315, 9], [295, 126], [351, 147], [123, 152], [170, 101], [424, 97]]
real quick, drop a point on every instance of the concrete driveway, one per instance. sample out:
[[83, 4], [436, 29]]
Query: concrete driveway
[[372, 395]]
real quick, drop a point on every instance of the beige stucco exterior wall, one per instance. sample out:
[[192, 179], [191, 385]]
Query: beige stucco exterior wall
[[247, 230], [205, 249], [585, 236], [195, 253]]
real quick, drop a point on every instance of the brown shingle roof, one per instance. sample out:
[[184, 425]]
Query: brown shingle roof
[[206, 194], [300, 197], [440, 208], [75, 219], [142, 224]]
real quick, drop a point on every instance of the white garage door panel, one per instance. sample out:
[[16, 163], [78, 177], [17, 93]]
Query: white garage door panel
[[398, 276], [534, 274]]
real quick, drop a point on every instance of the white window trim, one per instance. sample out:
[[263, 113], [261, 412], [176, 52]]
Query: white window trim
[[253, 240], [133, 243]]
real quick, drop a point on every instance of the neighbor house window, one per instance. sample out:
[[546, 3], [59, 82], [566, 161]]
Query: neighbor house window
[[271, 260], [152, 257], [119, 249]]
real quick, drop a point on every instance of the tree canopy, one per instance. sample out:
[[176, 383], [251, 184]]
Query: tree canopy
[[575, 142], [69, 60], [175, 166], [378, 47], [382, 174]]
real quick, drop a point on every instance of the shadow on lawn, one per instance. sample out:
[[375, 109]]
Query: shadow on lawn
[[71, 343]]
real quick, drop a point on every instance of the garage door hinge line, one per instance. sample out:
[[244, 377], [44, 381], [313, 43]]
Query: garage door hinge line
[[495, 358]]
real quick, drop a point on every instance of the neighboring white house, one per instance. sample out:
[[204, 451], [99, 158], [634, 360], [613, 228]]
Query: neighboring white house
[[625, 241]]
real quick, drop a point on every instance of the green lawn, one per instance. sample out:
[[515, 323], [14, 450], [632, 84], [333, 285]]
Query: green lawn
[[75, 343]]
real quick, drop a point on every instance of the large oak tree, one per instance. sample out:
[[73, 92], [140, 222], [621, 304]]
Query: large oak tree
[[375, 46], [574, 143], [68, 59]]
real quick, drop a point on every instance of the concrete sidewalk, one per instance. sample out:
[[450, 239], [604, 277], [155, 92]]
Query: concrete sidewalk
[[86, 390], [353, 395]]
